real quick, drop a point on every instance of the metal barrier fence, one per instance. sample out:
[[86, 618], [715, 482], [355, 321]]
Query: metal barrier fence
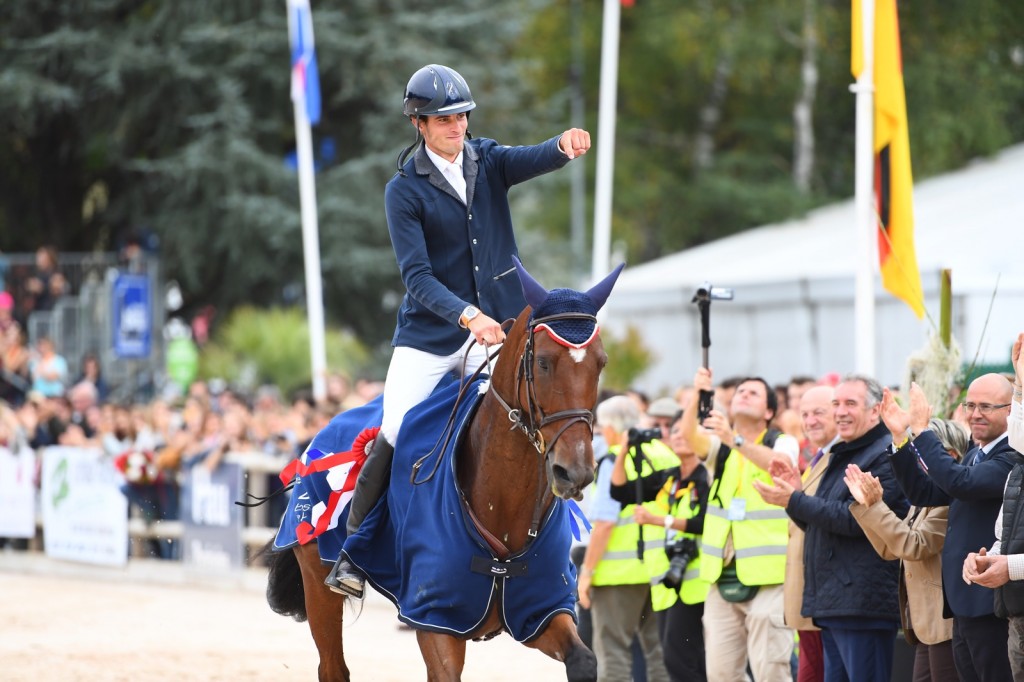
[[82, 321]]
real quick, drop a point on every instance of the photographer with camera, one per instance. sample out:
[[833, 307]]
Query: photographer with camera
[[743, 549], [681, 494], [623, 557]]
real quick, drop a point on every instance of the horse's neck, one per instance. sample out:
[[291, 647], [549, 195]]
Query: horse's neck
[[502, 475]]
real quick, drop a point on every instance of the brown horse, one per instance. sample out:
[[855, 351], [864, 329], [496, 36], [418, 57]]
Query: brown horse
[[545, 390]]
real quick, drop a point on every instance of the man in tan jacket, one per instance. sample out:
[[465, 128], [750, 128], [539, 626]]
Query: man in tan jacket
[[817, 414]]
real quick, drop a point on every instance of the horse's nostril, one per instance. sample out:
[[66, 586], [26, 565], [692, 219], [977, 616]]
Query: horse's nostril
[[560, 473]]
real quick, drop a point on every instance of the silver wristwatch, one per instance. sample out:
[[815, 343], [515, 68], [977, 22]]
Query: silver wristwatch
[[468, 315]]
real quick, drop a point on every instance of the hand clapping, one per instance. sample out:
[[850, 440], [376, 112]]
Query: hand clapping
[[865, 487]]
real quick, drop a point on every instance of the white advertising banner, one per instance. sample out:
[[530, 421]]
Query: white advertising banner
[[17, 493], [85, 515]]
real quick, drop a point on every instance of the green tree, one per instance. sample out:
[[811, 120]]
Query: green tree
[[628, 358], [706, 94], [173, 119], [272, 346]]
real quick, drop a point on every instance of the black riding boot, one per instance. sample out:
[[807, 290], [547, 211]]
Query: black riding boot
[[345, 578]]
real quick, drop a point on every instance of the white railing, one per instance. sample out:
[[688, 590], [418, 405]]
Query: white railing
[[68, 471]]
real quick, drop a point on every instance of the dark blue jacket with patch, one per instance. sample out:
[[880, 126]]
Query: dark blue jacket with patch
[[451, 254], [843, 575]]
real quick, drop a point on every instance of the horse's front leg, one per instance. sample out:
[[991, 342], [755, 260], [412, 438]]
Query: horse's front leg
[[444, 655], [325, 611], [561, 642]]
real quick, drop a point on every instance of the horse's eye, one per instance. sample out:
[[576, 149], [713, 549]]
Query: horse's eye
[[543, 364]]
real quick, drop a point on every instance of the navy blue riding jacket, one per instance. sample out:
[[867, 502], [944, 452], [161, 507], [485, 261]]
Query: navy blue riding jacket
[[452, 254]]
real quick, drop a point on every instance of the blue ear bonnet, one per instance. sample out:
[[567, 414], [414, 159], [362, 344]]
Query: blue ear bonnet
[[576, 333], [571, 332]]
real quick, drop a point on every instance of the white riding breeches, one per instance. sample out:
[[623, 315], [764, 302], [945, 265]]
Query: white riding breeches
[[413, 374]]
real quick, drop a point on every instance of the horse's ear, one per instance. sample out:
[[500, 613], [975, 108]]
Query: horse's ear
[[599, 292], [534, 293]]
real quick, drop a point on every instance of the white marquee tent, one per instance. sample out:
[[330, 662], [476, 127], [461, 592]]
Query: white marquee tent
[[794, 287]]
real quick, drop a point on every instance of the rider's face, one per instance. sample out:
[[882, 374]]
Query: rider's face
[[444, 135]]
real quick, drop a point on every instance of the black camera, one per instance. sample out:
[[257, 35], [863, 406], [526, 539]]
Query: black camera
[[638, 436], [706, 291], [680, 553], [705, 403]]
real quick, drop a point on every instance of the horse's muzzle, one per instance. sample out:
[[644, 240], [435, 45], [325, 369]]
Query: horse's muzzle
[[569, 483]]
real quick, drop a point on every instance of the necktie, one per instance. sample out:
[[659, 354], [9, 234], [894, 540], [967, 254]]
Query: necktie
[[974, 456], [455, 178], [817, 456]]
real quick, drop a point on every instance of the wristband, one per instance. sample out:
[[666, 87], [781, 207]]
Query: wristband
[[669, 521]]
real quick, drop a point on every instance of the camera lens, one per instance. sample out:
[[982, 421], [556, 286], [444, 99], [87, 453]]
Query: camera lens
[[681, 553]]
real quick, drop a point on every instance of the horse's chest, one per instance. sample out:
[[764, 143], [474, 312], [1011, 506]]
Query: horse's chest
[[491, 628]]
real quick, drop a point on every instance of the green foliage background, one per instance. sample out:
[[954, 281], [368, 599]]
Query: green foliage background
[[257, 346], [172, 120], [628, 357]]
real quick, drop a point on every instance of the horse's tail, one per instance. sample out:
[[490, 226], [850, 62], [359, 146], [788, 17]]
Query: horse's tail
[[285, 593]]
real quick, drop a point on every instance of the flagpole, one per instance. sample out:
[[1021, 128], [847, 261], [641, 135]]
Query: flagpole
[[606, 140], [311, 252], [864, 155], [301, 30], [578, 177]]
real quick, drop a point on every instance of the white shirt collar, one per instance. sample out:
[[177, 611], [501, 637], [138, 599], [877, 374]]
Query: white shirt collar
[[988, 447], [443, 164]]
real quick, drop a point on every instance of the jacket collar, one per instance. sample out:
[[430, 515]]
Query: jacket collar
[[874, 434], [470, 168]]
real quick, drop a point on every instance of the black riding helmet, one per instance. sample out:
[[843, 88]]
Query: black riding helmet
[[435, 90]]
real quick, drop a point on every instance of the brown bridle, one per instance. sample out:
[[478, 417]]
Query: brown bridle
[[529, 419], [535, 419]]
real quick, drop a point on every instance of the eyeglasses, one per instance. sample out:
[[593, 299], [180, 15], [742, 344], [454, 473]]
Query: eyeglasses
[[984, 408]]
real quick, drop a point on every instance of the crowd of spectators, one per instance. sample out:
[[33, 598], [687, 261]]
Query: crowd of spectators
[[835, 458], [871, 484], [42, 404]]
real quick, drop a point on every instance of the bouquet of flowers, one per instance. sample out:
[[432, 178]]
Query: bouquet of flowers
[[138, 467]]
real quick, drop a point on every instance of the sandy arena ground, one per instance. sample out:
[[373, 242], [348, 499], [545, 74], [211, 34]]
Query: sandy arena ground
[[155, 620]]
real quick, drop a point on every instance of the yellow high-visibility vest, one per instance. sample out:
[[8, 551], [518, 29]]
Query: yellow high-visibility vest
[[620, 564], [693, 589], [760, 531]]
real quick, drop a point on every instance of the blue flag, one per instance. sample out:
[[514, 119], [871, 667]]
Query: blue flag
[[305, 79]]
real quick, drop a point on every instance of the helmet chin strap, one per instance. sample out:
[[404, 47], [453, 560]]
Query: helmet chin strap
[[404, 154]]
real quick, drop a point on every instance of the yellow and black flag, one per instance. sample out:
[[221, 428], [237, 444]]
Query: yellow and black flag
[[893, 179]]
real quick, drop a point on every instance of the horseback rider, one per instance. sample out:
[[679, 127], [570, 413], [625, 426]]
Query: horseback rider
[[451, 228]]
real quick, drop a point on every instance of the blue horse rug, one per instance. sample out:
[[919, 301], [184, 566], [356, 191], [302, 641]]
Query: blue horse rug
[[419, 547]]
